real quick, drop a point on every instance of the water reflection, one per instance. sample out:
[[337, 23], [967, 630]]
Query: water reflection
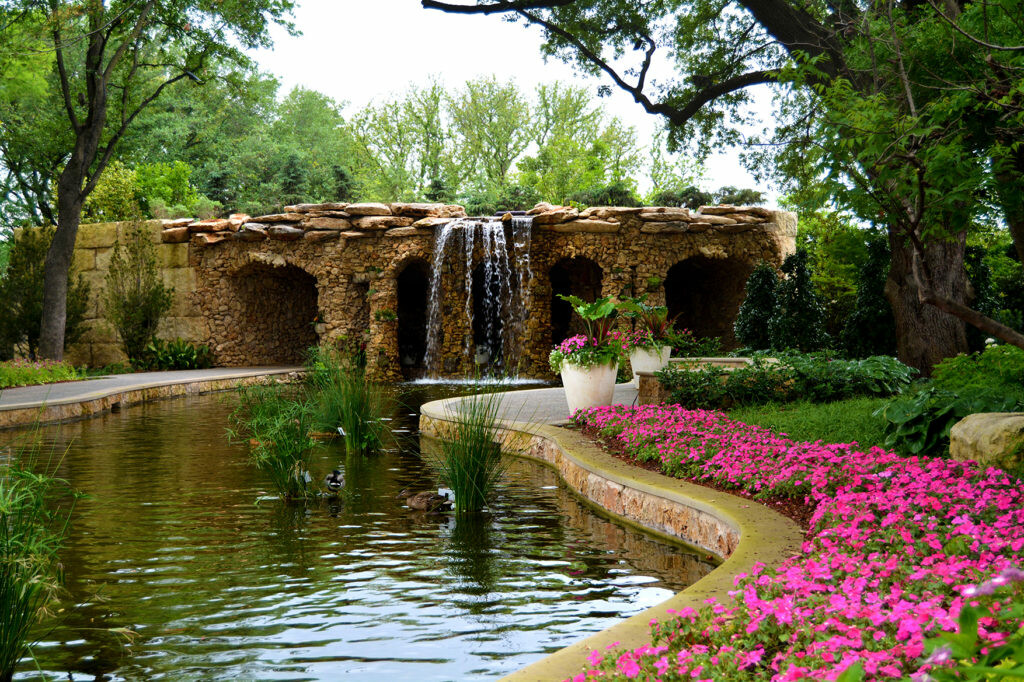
[[178, 544]]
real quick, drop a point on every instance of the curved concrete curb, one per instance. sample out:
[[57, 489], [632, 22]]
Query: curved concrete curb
[[739, 531], [92, 403]]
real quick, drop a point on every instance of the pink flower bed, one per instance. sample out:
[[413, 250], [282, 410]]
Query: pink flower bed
[[894, 546]]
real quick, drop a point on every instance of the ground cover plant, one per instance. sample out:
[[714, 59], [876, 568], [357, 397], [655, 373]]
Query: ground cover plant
[[841, 421], [794, 376], [24, 372], [893, 549]]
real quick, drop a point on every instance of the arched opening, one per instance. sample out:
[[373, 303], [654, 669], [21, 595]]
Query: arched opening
[[578, 276], [278, 311], [413, 297], [706, 295]]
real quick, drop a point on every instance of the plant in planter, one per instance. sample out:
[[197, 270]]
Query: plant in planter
[[648, 347], [588, 362]]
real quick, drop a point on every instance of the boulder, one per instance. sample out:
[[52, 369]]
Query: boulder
[[177, 222], [368, 209], [699, 227], [407, 232], [381, 222], [542, 207], [326, 224], [559, 215], [747, 218], [713, 219], [721, 209], [609, 212], [432, 222], [289, 217], [989, 438], [417, 210], [352, 234], [320, 235], [507, 217], [175, 235], [327, 214], [583, 226], [674, 227], [251, 232], [306, 208], [667, 215], [201, 239], [283, 233], [453, 211], [211, 225]]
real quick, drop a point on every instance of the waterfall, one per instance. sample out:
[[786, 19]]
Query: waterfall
[[500, 257]]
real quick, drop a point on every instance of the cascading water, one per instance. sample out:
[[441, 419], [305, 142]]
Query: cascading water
[[495, 306]]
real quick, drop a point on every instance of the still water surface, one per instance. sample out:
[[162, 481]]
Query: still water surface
[[209, 580]]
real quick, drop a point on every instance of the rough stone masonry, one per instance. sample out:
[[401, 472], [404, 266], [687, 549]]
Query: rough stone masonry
[[259, 291]]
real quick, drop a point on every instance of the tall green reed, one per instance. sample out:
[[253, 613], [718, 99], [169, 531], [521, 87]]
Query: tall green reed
[[35, 510], [277, 427], [469, 457], [342, 397]]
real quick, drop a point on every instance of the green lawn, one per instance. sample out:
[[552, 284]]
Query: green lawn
[[839, 422]]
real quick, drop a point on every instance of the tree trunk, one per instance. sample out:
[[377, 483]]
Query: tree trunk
[[924, 334], [58, 264]]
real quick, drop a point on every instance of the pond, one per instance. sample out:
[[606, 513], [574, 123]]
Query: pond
[[180, 567]]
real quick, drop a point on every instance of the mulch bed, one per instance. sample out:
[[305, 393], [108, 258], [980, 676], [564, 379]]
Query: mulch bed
[[793, 509]]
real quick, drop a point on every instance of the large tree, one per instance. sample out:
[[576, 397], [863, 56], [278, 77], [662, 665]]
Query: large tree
[[911, 108], [110, 61]]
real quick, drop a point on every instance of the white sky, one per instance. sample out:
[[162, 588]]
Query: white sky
[[357, 51]]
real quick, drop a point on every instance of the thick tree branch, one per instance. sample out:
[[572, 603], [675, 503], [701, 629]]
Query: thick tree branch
[[140, 23], [62, 71], [494, 8]]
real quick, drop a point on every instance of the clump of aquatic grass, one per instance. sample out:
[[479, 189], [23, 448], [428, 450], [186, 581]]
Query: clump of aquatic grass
[[277, 428], [342, 399], [33, 526], [469, 457]]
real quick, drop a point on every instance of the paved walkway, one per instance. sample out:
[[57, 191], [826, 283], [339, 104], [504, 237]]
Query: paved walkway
[[71, 393], [548, 405]]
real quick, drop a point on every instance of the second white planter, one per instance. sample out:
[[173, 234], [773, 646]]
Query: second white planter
[[648, 360], [588, 386]]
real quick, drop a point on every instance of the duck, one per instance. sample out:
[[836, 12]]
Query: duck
[[426, 501], [335, 481]]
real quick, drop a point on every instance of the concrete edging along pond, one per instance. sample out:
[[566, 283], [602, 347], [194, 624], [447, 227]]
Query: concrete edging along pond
[[737, 530], [79, 402]]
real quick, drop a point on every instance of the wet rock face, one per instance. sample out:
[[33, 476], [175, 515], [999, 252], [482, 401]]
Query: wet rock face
[[338, 265]]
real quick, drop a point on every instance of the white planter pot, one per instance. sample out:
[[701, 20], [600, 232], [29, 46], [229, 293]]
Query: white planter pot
[[648, 360], [588, 386]]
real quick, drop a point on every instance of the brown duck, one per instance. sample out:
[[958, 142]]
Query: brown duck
[[426, 501]]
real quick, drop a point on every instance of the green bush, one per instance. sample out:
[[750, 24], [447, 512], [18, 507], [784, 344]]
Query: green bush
[[919, 421], [117, 196], [686, 345], [756, 311], [30, 373], [816, 378], [798, 319], [136, 297], [870, 328], [175, 354], [21, 296]]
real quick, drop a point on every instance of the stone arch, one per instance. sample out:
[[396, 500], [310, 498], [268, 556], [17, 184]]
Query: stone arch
[[579, 276], [412, 284], [276, 311], [706, 294]]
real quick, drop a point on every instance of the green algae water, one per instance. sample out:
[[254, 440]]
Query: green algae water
[[180, 566]]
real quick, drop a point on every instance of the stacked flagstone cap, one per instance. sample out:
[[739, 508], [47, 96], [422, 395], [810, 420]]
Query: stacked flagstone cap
[[322, 222], [315, 222]]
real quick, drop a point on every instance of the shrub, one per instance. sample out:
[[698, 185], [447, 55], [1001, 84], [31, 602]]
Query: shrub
[[21, 295], [870, 328], [136, 298], [116, 197], [175, 354], [798, 319], [615, 193], [690, 197], [32, 372], [816, 378], [686, 345], [756, 311]]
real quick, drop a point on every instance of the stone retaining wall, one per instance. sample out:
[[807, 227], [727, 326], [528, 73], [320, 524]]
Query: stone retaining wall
[[260, 290]]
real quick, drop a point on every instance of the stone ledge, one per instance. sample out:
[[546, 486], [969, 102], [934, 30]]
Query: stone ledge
[[92, 405], [739, 531]]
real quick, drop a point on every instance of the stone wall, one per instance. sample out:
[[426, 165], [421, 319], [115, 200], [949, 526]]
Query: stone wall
[[99, 344], [260, 290]]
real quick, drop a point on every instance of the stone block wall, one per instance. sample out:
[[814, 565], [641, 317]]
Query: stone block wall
[[94, 244], [260, 290]]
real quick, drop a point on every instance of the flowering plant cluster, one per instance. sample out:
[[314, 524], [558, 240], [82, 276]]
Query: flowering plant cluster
[[584, 351], [23, 372], [894, 549], [641, 338]]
